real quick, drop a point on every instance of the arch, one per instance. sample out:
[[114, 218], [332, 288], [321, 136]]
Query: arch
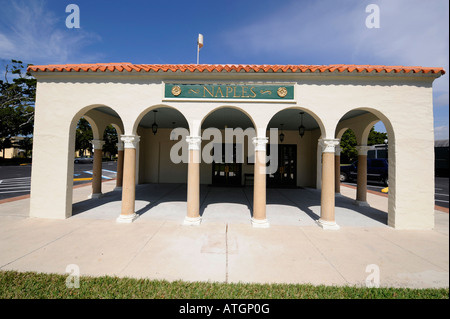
[[303, 150], [362, 128], [154, 162], [98, 116], [151, 108], [118, 129], [307, 111], [96, 126], [341, 131], [98, 123], [225, 107]]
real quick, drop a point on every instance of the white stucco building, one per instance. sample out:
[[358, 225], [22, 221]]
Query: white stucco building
[[196, 97]]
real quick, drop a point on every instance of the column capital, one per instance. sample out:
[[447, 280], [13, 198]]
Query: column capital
[[328, 145], [337, 150], [130, 141], [120, 146], [194, 142], [260, 143], [97, 144], [362, 149]]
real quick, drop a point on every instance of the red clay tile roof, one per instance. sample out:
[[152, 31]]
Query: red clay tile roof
[[129, 67]]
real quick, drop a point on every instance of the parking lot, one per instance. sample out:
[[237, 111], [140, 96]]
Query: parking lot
[[15, 180]]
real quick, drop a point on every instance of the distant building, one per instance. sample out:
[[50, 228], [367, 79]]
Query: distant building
[[378, 151], [13, 151]]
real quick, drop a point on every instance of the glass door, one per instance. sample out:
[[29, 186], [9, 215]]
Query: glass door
[[286, 174]]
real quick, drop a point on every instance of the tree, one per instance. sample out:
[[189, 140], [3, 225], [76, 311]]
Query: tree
[[17, 99], [83, 136], [27, 145], [376, 137], [348, 144], [110, 138]]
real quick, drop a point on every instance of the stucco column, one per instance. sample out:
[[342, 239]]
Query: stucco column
[[327, 200], [129, 179], [259, 219], [97, 146], [119, 174], [337, 169], [361, 180], [193, 188]]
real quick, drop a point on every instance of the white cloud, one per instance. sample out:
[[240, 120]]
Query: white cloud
[[6, 45], [411, 33], [31, 32], [441, 100], [441, 133]]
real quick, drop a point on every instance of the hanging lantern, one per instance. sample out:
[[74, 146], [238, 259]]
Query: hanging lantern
[[154, 125], [301, 128]]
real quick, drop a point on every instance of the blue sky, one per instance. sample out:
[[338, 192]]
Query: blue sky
[[412, 32]]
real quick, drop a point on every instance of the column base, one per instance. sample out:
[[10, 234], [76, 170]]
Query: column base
[[260, 223], [117, 188], [128, 218], [95, 196], [327, 225], [361, 203], [192, 221]]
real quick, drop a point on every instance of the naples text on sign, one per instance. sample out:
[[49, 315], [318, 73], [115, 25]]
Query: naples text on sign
[[229, 91]]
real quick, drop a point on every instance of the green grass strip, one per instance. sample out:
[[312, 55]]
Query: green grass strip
[[30, 285]]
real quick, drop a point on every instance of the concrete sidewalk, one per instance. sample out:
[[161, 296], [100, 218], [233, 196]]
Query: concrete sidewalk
[[225, 247]]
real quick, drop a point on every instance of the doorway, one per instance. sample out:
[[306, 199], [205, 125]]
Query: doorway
[[227, 172], [286, 174]]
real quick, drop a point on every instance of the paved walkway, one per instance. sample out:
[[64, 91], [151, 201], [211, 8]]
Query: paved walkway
[[225, 247]]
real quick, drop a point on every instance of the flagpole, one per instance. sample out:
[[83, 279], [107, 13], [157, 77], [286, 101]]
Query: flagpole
[[199, 45]]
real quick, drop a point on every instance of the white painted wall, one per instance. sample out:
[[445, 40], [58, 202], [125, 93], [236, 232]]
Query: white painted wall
[[403, 103]]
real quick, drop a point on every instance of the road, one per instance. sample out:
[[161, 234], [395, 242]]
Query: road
[[15, 181], [441, 190]]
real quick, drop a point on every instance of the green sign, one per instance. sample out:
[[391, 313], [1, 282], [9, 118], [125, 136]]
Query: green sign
[[229, 91]]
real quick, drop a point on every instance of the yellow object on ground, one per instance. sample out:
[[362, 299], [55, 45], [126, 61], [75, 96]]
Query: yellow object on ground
[[385, 190], [82, 179]]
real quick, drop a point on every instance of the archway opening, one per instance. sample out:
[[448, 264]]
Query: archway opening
[[227, 167], [298, 164], [227, 150], [83, 152], [93, 134], [367, 161], [158, 130], [364, 135], [161, 173]]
